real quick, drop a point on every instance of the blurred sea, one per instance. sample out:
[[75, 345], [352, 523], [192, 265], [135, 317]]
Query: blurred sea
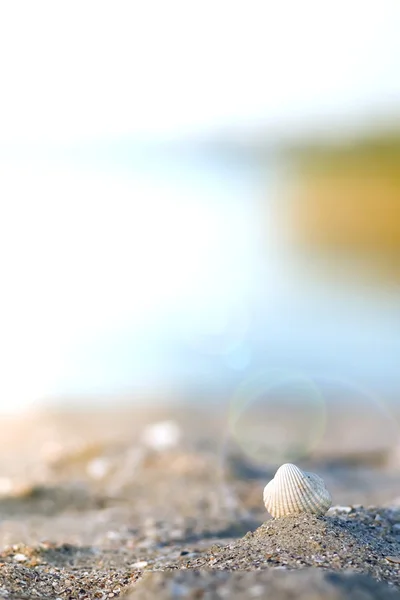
[[233, 300]]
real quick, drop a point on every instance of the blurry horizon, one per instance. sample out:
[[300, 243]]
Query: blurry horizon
[[141, 240]]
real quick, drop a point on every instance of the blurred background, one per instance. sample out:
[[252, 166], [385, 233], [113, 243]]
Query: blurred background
[[200, 259], [195, 196]]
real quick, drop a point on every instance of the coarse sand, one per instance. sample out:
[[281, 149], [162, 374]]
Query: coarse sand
[[90, 509]]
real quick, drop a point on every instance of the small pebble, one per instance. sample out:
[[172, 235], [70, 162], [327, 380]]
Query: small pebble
[[98, 468], [6, 486], [338, 508], [141, 564], [161, 436], [20, 557]]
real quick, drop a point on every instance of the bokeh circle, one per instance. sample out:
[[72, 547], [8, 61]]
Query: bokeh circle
[[277, 416]]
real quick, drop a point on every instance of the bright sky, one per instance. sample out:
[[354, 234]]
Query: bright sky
[[80, 71], [91, 68]]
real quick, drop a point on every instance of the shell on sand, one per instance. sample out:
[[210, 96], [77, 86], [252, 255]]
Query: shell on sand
[[293, 491]]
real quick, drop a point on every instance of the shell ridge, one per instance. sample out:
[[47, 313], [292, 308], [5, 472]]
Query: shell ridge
[[285, 488], [311, 495], [298, 497], [314, 502], [294, 489]]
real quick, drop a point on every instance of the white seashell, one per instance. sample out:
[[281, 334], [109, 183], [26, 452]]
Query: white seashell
[[293, 491]]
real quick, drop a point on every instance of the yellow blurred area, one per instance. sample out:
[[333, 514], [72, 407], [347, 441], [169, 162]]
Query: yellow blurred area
[[346, 198]]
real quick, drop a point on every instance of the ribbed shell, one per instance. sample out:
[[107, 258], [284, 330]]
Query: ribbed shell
[[293, 491]]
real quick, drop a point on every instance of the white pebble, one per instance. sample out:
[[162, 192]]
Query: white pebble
[[20, 557], [338, 508], [141, 564], [98, 468], [162, 435], [6, 486]]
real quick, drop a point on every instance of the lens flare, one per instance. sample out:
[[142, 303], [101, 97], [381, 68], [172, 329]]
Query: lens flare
[[369, 414], [277, 416]]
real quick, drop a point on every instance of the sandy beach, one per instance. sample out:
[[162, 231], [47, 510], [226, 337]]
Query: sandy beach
[[166, 503]]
